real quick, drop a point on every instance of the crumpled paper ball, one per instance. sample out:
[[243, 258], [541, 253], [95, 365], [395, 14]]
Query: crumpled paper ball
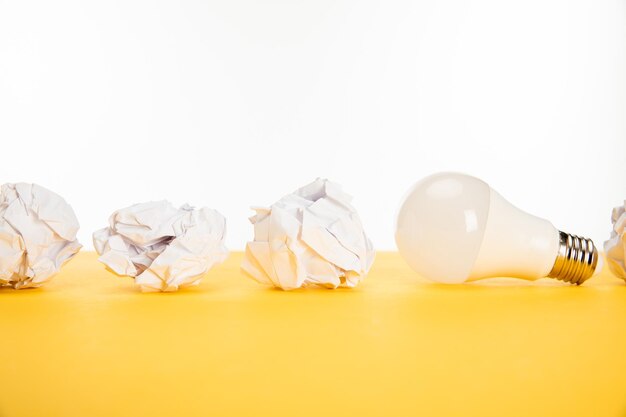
[[312, 237], [37, 235], [165, 248], [615, 247]]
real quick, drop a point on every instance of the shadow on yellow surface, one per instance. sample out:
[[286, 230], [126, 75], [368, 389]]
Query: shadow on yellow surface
[[90, 344]]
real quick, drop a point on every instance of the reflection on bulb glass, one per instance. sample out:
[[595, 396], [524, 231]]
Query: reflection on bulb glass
[[454, 228]]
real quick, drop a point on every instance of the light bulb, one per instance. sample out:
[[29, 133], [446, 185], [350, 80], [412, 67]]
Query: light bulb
[[454, 228]]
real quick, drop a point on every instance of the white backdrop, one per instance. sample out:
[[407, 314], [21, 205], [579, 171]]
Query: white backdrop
[[235, 103]]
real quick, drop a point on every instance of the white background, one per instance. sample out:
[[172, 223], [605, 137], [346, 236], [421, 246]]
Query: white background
[[235, 103]]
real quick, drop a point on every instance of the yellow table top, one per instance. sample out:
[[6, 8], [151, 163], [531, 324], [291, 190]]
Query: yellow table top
[[89, 344]]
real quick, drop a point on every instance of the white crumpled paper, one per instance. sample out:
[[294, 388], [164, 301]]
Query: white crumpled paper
[[615, 247], [312, 237], [37, 234], [165, 248]]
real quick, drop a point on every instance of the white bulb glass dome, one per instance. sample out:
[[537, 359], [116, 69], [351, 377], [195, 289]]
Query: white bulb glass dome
[[453, 228]]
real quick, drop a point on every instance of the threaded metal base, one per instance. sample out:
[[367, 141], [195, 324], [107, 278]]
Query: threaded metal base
[[576, 260]]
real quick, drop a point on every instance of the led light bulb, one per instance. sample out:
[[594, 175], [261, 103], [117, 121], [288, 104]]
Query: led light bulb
[[454, 228]]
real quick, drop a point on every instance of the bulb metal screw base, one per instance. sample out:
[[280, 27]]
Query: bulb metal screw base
[[576, 261]]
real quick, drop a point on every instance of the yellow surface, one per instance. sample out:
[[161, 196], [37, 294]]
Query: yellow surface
[[89, 344]]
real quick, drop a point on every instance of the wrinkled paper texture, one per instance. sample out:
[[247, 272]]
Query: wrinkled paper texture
[[37, 234], [615, 247], [312, 237], [165, 248]]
